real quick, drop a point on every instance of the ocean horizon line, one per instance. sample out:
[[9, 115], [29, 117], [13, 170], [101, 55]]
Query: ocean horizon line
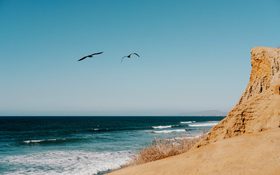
[[2, 116]]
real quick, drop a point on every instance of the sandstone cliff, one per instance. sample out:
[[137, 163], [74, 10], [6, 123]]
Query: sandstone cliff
[[259, 106]]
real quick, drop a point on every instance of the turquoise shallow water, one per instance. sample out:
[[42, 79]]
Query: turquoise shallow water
[[85, 145]]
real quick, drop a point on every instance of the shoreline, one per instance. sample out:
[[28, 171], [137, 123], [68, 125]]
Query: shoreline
[[85, 145], [238, 155], [179, 144]]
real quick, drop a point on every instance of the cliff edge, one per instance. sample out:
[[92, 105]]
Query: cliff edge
[[259, 107]]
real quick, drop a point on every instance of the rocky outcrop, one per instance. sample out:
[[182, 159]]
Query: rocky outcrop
[[259, 107]]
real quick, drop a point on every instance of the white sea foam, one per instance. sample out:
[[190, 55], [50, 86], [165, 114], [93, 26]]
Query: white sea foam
[[187, 122], [162, 127], [66, 162], [204, 124], [168, 131], [32, 141], [44, 140]]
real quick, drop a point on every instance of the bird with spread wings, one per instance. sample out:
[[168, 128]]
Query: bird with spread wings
[[129, 56], [91, 55]]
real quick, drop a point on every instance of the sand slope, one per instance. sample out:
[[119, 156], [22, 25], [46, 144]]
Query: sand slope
[[257, 154]]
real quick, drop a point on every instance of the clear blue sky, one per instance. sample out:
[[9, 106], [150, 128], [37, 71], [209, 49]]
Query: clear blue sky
[[195, 54]]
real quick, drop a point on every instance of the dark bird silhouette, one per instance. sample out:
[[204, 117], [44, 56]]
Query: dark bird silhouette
[[129, 56], [91, 55]]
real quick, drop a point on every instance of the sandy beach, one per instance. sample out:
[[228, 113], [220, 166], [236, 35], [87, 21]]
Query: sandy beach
[[256, 154]]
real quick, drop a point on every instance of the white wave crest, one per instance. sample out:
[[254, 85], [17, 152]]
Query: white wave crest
[[187, 122], [66, 162], [44, 140], [204, 124], [32, 141], [168, 131], [162, 127]]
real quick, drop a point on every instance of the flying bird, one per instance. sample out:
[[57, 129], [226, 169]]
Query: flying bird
[[91, 55], [129, 56]]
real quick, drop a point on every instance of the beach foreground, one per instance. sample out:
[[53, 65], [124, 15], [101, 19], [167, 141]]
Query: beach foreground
[[256, 154], [246, 141]]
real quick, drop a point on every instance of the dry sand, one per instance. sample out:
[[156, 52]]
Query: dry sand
[[257, 154]]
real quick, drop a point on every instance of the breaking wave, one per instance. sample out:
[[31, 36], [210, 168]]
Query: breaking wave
[[203, 124], [162, 127], [168, 131], [50, 141], [66, 162], [187, 122]]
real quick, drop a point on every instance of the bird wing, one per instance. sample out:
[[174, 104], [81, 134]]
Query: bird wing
[[97, 53], [90, 55], [136, 54], [83, 58]]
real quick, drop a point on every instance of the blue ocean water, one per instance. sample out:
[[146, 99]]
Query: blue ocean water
[[85, 145]]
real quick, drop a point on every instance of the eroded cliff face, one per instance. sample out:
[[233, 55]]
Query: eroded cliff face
[[259, 107]]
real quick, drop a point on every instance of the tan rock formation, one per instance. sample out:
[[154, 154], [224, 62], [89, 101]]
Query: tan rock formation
[[259, 106]]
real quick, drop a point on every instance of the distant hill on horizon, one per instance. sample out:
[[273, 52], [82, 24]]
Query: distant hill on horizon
[[207, 113]]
